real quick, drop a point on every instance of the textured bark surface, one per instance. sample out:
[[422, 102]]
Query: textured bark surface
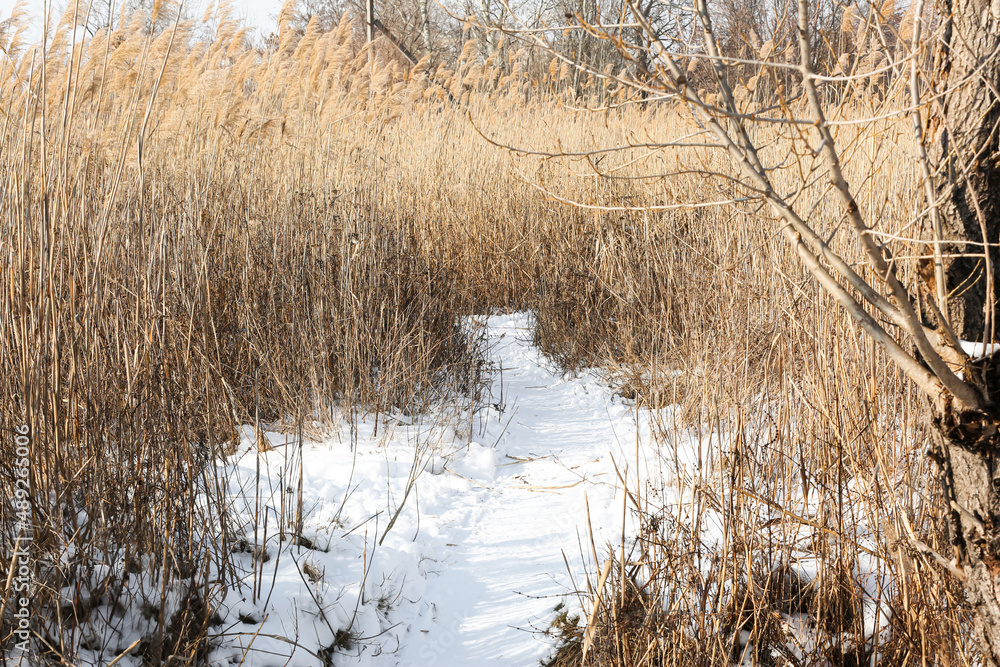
[[965, 150], [964, 130], [974, 480]]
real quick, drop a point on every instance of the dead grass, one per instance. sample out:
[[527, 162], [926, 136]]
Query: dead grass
[[198, 235]]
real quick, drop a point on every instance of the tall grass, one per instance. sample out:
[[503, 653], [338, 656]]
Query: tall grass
[[791, 537], [199, 234], [186, 249]]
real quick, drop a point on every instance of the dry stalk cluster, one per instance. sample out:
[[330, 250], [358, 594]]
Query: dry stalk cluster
[[189, 245]]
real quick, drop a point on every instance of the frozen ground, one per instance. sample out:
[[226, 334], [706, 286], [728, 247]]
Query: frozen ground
[[473, 565]]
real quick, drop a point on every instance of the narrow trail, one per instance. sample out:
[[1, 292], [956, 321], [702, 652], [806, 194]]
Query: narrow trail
[[555, 438]]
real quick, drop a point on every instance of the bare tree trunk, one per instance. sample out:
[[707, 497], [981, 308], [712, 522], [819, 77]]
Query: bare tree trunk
[[971, 481], [487, 21], [642, 62], [963, 130], [425, 27], [370, 21], [578, 51], [965, 133]]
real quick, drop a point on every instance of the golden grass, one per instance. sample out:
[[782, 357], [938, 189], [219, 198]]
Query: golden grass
[[197, 235]]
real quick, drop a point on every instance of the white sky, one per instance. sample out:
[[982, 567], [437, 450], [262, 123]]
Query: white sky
[[259, 13]]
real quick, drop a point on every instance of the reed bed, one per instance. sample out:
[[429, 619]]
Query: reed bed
[[198, 234], [187, 251]]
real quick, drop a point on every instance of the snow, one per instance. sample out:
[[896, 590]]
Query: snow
[[977, 351]]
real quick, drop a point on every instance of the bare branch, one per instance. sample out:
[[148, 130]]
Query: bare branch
[[964, 392]]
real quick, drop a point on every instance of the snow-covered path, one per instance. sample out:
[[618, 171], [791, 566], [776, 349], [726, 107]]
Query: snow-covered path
[[473, 566], [506, 573]]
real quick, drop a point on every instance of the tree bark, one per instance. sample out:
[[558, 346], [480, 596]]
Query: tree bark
[[963, 132], [425, 27], [971, 480]]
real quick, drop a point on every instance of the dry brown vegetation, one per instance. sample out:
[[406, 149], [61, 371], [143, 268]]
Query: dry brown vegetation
[[813, 445], [198, 235]]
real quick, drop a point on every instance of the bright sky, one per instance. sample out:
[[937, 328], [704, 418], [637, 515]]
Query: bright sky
[[258, 13]]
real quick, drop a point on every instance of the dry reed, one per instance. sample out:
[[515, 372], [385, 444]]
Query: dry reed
[[199, 234]]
